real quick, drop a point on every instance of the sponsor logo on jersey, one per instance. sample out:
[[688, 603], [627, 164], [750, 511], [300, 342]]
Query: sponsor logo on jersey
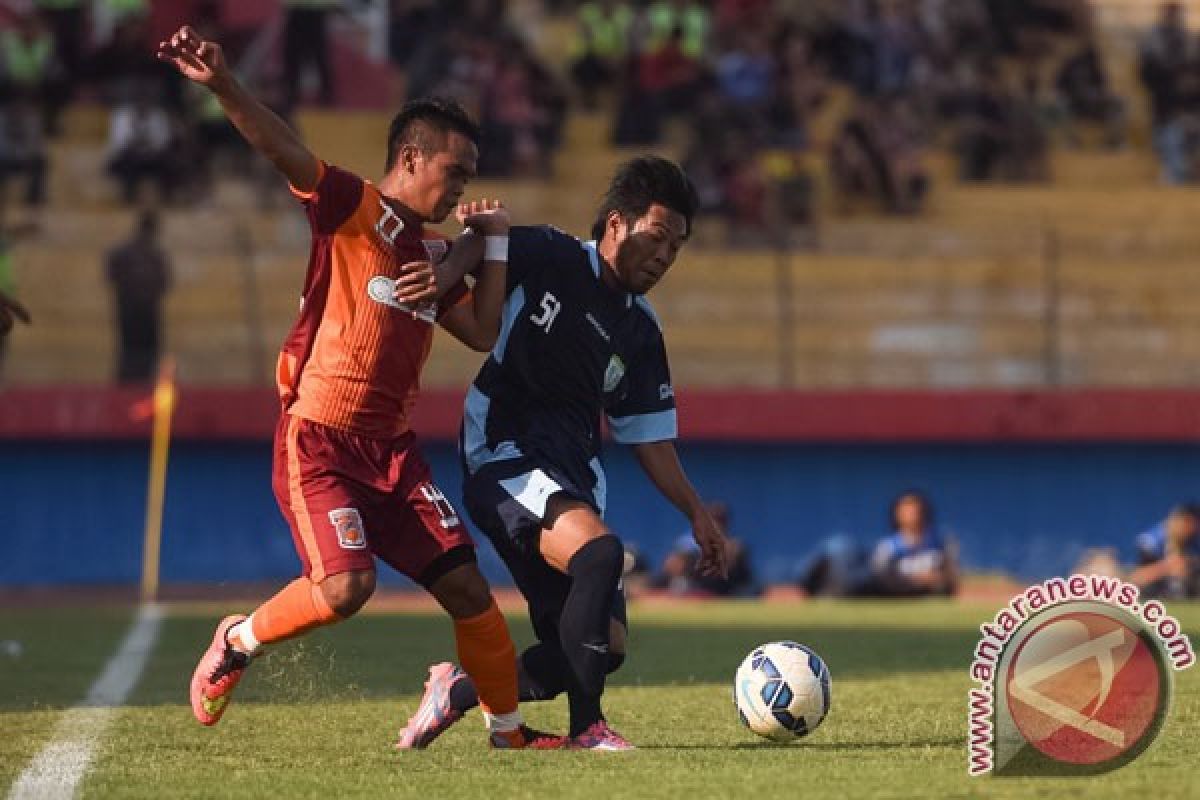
[[614, 373], [665, 392], [349, 526], [382, 289], [598, 327]]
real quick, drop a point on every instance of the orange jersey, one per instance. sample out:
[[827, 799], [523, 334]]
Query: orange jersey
[[353, 358]]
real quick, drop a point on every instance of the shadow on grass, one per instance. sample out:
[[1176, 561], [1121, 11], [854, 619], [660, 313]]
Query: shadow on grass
[[811, 745]]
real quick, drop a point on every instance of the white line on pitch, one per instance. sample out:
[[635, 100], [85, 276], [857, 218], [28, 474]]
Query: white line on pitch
[[58, 769]]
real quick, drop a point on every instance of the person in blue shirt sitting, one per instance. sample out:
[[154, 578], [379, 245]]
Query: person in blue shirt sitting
[[1169, 555], [913, 561]]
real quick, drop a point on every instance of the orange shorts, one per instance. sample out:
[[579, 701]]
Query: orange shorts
[[348, 498]]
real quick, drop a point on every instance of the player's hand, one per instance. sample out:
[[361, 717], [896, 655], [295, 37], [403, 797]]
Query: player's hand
[[1176, 565], [485, 217], [10, 311], [196, 58], [714, 547], [417, 284]]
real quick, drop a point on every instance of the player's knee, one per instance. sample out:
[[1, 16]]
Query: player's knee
[[347, 592], [463, 592], [602, 556]]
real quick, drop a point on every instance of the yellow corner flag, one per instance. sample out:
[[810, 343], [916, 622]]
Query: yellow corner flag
[[163, 405]]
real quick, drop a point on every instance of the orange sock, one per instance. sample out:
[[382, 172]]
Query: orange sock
[[487, 653], [297, 608]]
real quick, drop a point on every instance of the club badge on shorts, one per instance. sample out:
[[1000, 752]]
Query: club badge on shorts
[[348, 524]]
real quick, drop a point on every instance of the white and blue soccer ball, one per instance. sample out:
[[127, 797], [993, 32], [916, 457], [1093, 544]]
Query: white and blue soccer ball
[[782, 691]]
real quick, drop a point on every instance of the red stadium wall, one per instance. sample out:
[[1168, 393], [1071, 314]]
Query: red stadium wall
[[719, 416]]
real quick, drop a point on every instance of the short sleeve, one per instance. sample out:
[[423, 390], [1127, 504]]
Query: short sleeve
[[1147, 546], [333, 201], [531, 249], [646, 413], [882, 557]]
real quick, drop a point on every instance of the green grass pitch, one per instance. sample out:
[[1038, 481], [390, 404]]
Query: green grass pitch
[[316, 718]]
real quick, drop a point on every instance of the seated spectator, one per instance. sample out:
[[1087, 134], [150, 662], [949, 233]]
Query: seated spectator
[[914, 561], [1169, 555], [141, 137], [978, 109], [745, 74], [1164, 66], [29, 68], [877, 155], [22, 150], [1086, 96], [600, 48], [680, 571]]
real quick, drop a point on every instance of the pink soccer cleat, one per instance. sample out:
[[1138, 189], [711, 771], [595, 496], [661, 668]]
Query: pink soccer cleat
[[217, 674], [435, 715], [601, 737]]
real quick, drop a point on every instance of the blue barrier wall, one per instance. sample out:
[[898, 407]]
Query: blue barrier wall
[[73, 512]]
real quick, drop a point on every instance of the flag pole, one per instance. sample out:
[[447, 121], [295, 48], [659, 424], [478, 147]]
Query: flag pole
[[163, 406]]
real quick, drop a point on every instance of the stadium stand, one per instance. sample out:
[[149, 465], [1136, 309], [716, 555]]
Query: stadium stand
[[992, 285]]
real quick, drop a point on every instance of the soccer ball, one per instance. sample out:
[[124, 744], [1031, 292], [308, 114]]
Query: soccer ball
[[782, 691]]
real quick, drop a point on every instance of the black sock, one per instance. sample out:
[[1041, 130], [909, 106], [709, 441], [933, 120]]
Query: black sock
[[595, 570], [541, 675]]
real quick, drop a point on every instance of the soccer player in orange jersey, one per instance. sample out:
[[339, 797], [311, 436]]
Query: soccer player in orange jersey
[[348, 475]]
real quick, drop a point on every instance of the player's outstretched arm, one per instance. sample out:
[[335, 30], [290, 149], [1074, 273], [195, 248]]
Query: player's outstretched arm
[[11, 310], [202, 61], [477, 323], [661, 463]]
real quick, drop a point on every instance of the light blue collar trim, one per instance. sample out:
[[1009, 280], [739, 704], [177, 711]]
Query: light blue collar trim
[[594, 257]]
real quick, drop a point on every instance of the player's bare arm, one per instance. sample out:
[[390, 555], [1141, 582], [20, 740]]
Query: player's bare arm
[[660, 462], [10, 312], [203, 62], [424, 281], [477, 324]]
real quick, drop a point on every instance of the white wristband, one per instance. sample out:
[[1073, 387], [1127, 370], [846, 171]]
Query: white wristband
[[495, 248]]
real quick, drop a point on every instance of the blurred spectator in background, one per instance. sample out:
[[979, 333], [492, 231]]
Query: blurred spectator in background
[[601, 46], [1169, 555], [125, 66], [1166, 62], [914, 561], [22, 149], [11, 309], [141, 140], [29, 69], [68, 21], [685, 20], [680, 573], [1086, 96], [305, 43], [878, 155], [140, 275]]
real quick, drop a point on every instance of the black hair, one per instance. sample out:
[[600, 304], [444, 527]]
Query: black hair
[[425, 123], [641, 183], [922, 499]]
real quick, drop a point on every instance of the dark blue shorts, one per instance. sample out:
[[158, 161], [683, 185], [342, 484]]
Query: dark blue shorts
[[507, 501]]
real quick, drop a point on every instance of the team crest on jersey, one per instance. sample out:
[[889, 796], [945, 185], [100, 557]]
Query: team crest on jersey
[[382, 289], [350, 532], [614, 373]]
